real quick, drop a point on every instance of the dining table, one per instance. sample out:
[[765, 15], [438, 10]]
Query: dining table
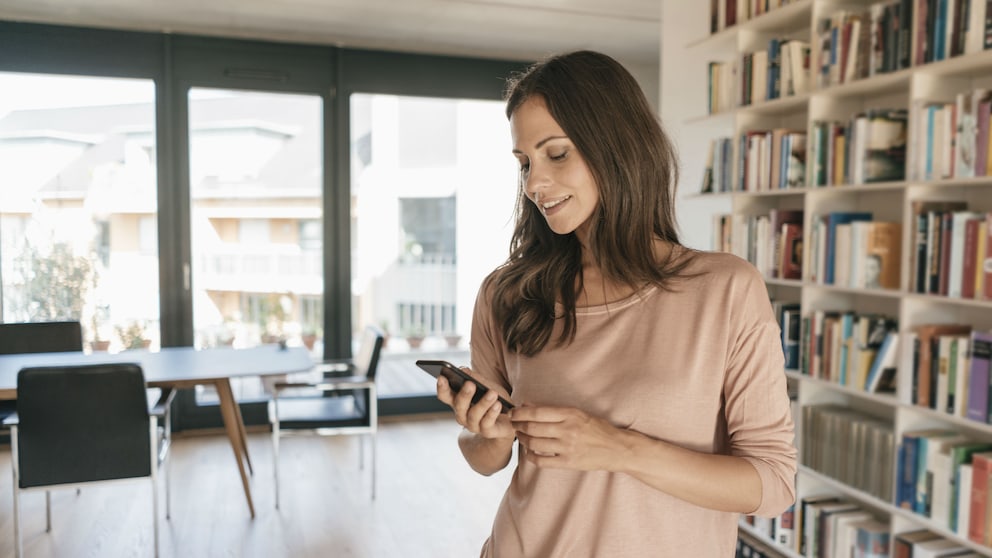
[[179, 368]]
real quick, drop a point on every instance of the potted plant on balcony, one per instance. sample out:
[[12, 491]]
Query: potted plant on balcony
[[310, 335], [452, 338], [132, 336], [415, 336]]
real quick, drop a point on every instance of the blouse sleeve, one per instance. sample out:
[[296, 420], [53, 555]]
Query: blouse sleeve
[[486, 344], [758, 411]]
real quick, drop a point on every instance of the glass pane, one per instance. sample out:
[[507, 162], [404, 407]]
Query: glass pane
[[256, 215], [433, 185], [79, 206]]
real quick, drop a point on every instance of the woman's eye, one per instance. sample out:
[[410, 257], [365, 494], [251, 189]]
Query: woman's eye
[[558, 156]]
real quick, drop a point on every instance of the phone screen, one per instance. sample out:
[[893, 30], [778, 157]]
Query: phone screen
[[456, 379]]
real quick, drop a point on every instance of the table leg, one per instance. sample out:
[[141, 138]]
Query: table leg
[[235, 432], [242, 433]]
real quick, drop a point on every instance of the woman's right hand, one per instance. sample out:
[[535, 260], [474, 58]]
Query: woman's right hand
[[483, 418]]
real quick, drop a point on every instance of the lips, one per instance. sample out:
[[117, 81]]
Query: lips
[[553, 205]]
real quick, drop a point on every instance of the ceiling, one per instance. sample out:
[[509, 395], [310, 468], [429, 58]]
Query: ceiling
[[514, 29]]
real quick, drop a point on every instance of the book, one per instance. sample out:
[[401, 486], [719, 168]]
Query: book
[[981, 467], [959, 376], [956, 256], [833, 220], [960, 455], [924, 377], [969, 258], [980, 344], [903, 543], [938, 548], [785, 528], [803, 529], [966, 133], [980, 257], [923, 213], [883, 254], [873, 539], [791, 321], [842, 532], [885, 147], [987, 263], [881, 377], [961, 521]]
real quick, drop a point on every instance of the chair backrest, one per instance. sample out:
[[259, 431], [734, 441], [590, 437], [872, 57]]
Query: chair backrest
[[40, 337], [366, 360], [82, 423]]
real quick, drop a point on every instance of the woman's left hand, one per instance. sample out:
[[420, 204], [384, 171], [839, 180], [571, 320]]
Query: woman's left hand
[[567, 438]]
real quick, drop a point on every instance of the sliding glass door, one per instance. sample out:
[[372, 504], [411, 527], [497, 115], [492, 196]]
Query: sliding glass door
[[256, 221], [432, 185], [252, 152], [79, 210]]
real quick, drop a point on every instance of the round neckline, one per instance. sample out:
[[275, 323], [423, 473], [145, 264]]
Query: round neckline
[[629, 300]]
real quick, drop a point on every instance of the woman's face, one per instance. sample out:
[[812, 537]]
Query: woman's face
[[553, 174]]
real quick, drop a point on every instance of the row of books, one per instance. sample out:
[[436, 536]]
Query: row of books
[[718, 176], [952, 140], [781, 70], [858, 351], [829, 526], [750, 547], [845, 53], [896, 34], [789, 318], [941, 29], [848, 445], [923, 543], [727, 13], [772, 160], [851, 44], [773, 243], [950, 369], [952, 250], [944, 475], [869, 147], [849, 249]]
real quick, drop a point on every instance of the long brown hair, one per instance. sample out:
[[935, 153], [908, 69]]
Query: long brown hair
[[603, 111]]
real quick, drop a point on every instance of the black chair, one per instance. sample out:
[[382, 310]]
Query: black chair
[[40, 337], [339, 400], [83, 424], [37, 337]]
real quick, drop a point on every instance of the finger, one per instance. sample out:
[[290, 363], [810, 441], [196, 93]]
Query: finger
[[540, 414], [463, 399], [538, 429], [444, 391], [478, 412]]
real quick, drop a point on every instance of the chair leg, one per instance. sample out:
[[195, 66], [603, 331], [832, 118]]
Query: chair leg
[[275, 446], [167, 428], [153, 437], [48, 511], [16, 493], [373, 466]]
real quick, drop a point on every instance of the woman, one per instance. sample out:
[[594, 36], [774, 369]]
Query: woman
[[651, 404]]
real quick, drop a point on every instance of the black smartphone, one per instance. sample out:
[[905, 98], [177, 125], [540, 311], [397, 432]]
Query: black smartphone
[[456, 379]]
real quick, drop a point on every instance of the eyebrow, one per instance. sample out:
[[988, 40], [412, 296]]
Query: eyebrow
[[542, 142]]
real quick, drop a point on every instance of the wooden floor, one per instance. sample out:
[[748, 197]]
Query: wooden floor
[[429, 503]]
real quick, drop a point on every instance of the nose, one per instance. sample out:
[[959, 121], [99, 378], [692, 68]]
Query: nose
[[535, 181]]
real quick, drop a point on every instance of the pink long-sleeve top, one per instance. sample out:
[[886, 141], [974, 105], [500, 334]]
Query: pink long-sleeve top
[[700, 367]]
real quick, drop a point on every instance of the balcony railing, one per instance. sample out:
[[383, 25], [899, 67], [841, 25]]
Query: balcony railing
[[260, 269]]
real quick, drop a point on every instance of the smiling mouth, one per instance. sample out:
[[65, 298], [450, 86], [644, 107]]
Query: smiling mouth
[[554, 203]]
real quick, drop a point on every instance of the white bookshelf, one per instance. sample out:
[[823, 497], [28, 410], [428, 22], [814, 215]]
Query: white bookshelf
[[888, 201]]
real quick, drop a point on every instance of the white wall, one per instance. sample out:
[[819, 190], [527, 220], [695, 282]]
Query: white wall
[[683, 97]]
